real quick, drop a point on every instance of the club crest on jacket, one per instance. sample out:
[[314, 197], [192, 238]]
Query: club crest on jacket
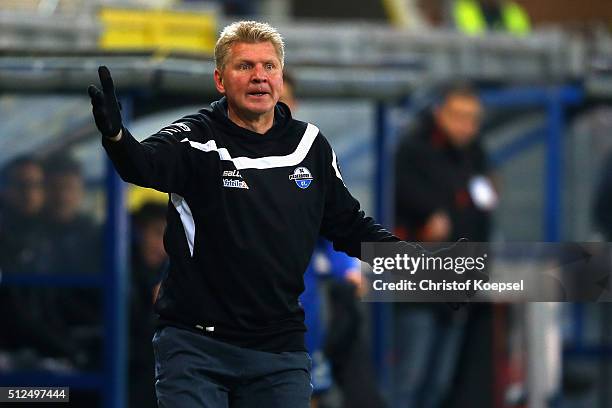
[[302, 177]]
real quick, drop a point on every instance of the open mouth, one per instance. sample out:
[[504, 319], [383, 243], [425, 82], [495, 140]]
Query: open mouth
[[258, 93]]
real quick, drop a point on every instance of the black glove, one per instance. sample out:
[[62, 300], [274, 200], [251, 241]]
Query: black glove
[[106, 108]]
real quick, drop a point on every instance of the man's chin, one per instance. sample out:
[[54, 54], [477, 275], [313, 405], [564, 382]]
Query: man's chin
[[252, 108], [260, 108]]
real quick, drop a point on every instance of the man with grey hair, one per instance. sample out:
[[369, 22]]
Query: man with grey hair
[[251, 189]]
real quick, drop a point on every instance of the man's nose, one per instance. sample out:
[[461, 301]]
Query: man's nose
[[259, 74]]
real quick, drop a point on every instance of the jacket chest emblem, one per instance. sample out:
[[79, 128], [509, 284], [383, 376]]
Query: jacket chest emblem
[[302, 177]]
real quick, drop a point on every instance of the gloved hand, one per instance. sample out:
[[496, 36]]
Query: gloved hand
[[106, 108]]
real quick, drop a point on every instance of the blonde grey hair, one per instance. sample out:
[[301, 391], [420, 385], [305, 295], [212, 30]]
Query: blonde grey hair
[[248, 32]]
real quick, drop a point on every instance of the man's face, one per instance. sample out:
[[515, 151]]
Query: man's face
[[459, 116], [252, 79], [25, 190]]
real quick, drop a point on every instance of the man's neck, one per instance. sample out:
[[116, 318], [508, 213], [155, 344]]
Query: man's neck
[[258, 124]]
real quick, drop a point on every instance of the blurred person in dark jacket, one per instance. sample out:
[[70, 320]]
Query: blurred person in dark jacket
[[443, 193], [33, 331], [21, 202], [443, 188], [72, 245], [149, 260], [73, 236]]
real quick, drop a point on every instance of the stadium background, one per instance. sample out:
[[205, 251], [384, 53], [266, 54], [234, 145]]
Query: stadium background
[[364, 69]]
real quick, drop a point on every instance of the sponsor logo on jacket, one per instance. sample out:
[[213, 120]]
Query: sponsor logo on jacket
[[236, 181], [175, 128], [232, 173], [232, 183]]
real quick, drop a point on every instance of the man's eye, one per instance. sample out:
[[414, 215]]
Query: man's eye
[[269, 66], [243, 66]]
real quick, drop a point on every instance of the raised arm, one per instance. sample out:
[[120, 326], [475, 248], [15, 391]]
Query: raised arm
[[106, 110], [161, 162]]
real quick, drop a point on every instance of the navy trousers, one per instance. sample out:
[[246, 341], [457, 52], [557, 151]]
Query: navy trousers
[[195, 371]]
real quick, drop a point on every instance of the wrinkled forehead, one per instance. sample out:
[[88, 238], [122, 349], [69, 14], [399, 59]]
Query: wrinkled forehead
[[262, 50]]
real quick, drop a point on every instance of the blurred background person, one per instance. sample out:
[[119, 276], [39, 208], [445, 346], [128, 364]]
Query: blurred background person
[[51, 329], [443, 192], [34, 331], [347, 347], [72, 237], [72, 245], [148, 262], [22, 200], [288, 96], [325, 263]]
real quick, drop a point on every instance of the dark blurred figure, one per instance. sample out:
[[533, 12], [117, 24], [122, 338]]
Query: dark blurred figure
[[475, 17], [73, 237], [149, 260], [288, 97], [443, 193], [348, 351], [72, 245], [443, 190], [602, 208], [21, 202], [33, 331]]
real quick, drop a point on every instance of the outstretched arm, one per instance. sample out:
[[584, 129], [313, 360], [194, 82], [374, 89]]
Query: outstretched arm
[[161, 162], [344, 223]]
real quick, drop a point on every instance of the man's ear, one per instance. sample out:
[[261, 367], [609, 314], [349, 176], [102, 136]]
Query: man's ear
[[219, 81]]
